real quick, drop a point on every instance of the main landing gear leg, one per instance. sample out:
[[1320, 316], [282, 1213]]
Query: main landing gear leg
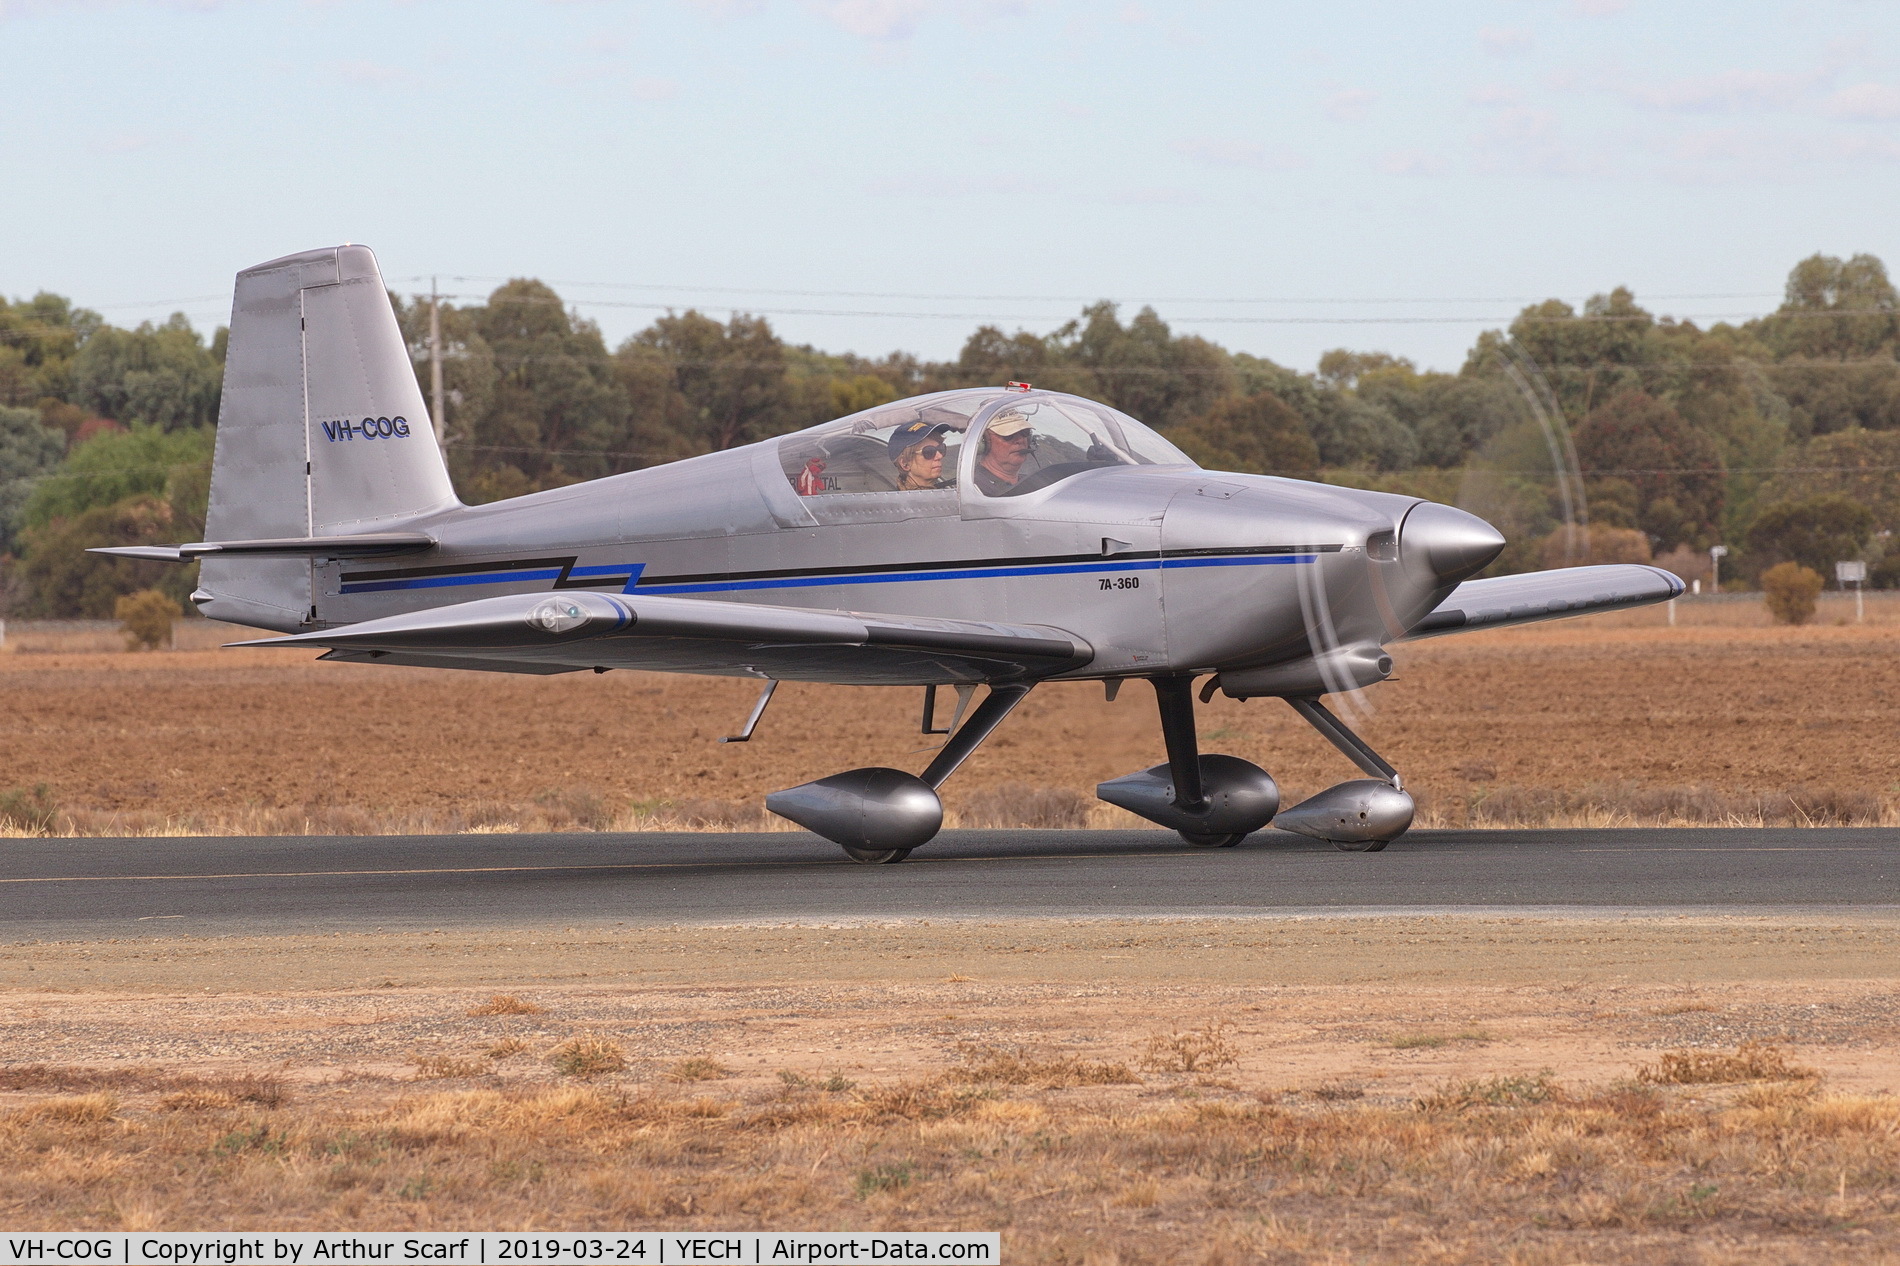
[[997, 704], [879, 815], [1211, 801], [1361, 816]]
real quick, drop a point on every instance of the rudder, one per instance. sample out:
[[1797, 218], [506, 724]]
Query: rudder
[[322, 430]]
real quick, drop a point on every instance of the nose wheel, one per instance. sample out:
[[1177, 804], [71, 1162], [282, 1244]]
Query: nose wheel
[[876, 856], [1223, 839]]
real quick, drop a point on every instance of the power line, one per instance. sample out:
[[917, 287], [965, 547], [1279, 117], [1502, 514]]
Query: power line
[[1006, 298], [1494, 319]]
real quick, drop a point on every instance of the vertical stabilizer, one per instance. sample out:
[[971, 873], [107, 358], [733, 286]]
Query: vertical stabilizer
[[321, 431]]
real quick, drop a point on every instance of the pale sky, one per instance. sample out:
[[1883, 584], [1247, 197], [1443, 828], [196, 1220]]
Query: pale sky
[[880, 174]]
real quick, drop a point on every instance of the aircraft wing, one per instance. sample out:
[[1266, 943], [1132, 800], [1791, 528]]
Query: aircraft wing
[[575, 630], [1546, 595]]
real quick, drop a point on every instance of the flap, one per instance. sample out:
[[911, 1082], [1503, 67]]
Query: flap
[[589, 629]]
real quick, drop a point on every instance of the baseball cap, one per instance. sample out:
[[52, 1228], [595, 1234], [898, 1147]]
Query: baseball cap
[[1009, 422], [913, 433]]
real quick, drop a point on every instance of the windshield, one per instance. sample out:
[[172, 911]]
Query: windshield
[[909, 446], [1040, 440]]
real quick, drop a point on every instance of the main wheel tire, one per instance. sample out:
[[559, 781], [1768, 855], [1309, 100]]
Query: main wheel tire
[[1225, 839], [876, 856], [1361, 846]]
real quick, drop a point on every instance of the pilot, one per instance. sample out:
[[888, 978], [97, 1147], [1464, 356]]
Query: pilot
[[917, 450], [1007, 444]]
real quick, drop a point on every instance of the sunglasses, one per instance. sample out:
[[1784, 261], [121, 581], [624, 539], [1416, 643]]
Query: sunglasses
[[930, 452]]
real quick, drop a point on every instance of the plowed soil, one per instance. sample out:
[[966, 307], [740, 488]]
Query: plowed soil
[[1574, 706]]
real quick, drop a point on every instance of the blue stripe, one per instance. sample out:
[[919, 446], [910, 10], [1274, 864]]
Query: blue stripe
[[1173, 563], [819, 582]]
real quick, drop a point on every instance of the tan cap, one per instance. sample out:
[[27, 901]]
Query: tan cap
[[1009, 422]]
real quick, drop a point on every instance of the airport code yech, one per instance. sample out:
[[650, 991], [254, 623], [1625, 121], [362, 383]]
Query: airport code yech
[[303, 1248]]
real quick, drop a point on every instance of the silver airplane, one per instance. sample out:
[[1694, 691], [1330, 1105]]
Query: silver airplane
[[995, 537]]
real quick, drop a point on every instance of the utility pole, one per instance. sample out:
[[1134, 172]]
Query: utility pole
[[435, 367]]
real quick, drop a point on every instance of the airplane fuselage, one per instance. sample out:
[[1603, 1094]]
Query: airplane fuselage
[[1158, 568]]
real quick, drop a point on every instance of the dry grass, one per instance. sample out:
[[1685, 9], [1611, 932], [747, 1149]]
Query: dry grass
[[1750, 1061], [506, 1004], [1016, 804], [1603, 1174], [588, 1056], [1201, 1050], [1502, 1092], [1432, 1040], [1632, 804], [698, 1068], [97, 1106], [264, 1089], [1020, 1066], [441, 1067]]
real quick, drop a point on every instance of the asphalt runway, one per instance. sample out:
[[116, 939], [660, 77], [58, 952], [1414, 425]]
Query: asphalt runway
[[62, 889]]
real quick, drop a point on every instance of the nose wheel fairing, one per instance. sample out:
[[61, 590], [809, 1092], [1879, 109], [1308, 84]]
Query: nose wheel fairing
[[1363, 815]]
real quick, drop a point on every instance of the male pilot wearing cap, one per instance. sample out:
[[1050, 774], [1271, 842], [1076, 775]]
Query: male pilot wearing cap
[[916, 450], [1007, 444]]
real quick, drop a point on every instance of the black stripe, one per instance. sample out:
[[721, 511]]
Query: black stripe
[[871, 569], [460, 569]]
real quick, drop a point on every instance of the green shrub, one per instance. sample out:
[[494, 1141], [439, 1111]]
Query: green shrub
[[31, 811], [1791, 590], [147, 616]]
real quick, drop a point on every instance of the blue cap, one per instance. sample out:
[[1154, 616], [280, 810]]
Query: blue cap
[[914, 433]]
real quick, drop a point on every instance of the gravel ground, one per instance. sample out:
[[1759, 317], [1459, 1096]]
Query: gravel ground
[[1389, 1006]]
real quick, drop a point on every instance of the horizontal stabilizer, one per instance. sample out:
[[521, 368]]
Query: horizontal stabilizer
[[540, 631], [150, 553], [1547, 595], [364, 545]]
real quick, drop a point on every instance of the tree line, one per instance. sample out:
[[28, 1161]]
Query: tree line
[[1598, 433]]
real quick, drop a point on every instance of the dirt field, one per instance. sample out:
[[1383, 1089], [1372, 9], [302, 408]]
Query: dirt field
[[1304, 1090], [1577, 722]]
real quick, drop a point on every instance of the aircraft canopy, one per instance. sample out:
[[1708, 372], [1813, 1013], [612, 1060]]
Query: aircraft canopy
[[1025, 441]]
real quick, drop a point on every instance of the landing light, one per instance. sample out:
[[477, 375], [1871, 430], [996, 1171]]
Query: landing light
[[557, 615]]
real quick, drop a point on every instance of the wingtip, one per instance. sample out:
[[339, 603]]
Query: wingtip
[[1676, 586]]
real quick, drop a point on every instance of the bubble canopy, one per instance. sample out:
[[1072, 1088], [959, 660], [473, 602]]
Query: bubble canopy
[[1023, 441]]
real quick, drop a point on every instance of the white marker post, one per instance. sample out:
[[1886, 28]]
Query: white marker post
[[1854, 572], [1716, 554]]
